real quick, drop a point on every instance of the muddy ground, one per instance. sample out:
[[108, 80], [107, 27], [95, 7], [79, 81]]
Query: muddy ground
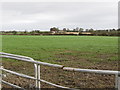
[[65, 78]]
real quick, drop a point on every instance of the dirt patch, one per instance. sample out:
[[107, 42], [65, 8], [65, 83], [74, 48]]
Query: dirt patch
[[84, 62], [106, 56], [22, 82], [64, 78]]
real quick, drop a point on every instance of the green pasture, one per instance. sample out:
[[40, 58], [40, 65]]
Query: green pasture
[[55, 48]]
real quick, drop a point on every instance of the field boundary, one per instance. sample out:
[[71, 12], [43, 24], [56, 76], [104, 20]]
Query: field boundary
[[37, 71]]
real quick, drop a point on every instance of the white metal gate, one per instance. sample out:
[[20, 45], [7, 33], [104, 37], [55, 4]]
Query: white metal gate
[[37, 71]]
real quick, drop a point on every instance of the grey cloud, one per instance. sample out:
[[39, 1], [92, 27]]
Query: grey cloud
[[63, 14]]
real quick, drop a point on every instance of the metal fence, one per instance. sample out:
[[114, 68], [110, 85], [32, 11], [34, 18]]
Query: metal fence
[[37, 71]]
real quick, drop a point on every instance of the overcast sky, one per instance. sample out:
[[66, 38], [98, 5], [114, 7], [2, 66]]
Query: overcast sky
[[44, 15]]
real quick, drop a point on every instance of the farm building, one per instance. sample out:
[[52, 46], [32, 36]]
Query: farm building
[[85, 33], [72, 33], [64, 33]]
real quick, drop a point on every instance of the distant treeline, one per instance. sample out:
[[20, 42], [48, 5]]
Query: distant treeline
[[57, 31]]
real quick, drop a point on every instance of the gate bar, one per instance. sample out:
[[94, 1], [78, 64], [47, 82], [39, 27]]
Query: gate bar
[[12, 85]]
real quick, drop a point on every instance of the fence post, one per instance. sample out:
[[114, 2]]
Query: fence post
[[117, 82], [38, 77], [0, 78], [36, 74]]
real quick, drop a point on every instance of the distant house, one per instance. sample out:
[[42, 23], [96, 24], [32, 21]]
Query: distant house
[[85, 33], [71, 33], [64, 33], [53, 32]]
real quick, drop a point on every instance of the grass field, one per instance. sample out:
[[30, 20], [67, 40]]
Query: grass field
[[96, 52], [46, 48]]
